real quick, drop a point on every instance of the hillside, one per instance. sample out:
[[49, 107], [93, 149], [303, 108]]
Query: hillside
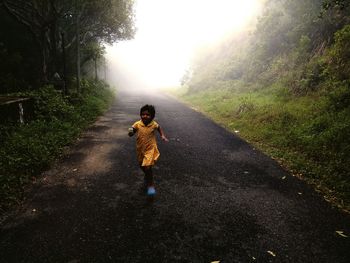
[[284, 86]]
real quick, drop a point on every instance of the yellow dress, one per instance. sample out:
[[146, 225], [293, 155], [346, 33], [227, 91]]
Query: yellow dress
[[146, 144]]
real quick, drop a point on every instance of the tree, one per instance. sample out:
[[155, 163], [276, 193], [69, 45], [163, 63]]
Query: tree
[[339, 55], [19, 56], [93, 51], [328, 4], [82, 21]]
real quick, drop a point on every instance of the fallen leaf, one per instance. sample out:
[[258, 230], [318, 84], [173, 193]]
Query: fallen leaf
[[341, 233], [271, 253]]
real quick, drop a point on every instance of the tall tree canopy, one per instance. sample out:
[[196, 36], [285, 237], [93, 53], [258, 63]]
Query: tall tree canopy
[[89, 21]]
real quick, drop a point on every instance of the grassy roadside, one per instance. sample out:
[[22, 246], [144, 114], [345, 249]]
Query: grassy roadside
[[306, 134], [27, 150]]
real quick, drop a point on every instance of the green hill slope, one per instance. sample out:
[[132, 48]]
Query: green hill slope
[[285, 87]]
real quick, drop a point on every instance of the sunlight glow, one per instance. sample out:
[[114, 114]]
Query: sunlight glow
[[168, 33]]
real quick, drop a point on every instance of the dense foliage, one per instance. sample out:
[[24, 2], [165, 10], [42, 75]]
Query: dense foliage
[[49, 52], [28, 149], [286, 87], [41, 38], [289, 36]]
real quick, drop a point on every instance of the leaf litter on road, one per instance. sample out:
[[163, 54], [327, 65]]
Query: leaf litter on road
[[341, 233], [271, 253]]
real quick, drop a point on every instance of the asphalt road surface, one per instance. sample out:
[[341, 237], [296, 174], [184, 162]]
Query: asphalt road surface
[[218, 199]]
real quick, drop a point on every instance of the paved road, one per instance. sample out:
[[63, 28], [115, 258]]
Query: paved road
[[218, 199]]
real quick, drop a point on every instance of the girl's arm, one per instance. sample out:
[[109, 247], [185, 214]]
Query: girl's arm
[[162, 135], [132, 131]]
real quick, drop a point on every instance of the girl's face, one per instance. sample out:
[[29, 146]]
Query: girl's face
[[146, 117]]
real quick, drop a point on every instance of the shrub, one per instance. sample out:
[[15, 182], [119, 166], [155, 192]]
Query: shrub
[[26, 150], [339, 55]]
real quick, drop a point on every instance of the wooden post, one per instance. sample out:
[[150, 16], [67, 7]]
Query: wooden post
[[21, 113]]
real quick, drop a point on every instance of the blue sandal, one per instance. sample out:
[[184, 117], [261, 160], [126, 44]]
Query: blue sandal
[[151, 190]]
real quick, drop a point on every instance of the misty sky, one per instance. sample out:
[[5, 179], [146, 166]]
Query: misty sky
[[168, 31]]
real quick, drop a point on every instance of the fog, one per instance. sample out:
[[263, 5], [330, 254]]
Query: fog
[[168, 34]]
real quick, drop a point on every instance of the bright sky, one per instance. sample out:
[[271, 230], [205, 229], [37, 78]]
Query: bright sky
[[168, 31]]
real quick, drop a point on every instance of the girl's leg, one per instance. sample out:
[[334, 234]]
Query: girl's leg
[[149, 180], [148, 175]]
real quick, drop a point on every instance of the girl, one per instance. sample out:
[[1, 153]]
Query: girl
[[146, 144]]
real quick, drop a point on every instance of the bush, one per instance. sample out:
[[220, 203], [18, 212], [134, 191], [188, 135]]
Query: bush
[[49, 105], [26, 150], [339, 55], [309, 134]]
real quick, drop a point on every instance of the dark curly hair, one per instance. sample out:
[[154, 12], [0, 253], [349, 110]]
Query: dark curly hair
[[150, 108]]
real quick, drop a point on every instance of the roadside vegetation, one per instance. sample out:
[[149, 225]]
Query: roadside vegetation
[[285, 87], [28, 149], [53, 53]]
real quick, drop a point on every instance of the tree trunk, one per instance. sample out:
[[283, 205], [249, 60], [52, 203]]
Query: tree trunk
[[44, 57], [64, 65], [53, 43], [77, 33], [96, 76], [78, 55]]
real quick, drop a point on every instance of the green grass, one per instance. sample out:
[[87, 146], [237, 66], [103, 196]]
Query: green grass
[[306, 134], [27, 150]]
